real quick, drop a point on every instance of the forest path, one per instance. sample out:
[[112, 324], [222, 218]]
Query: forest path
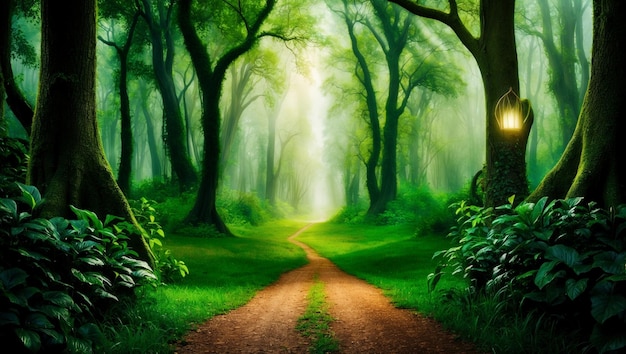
[[365, 321]]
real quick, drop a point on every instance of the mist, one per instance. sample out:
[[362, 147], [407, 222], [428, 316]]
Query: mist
[[322, 138]]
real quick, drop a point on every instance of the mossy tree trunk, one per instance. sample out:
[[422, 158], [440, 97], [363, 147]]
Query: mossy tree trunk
[[592, 165], [67, 161]]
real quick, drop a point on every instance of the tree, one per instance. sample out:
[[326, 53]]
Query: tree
[[495, 53], [246, 20], [15, 99], [160, 28], [126, 154], [67, 161], [592, 165], [565, 51], [393, 33]]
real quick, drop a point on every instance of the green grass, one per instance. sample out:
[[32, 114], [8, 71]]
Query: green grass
[[316, 320], [389, 257], [225, 273]]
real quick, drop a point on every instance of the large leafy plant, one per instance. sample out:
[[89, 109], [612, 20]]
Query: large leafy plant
[[58, 276], [168, 268], [566, 258]]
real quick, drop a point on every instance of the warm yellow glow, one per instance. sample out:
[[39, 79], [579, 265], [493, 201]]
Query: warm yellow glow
[[511, 120], [509, 112]]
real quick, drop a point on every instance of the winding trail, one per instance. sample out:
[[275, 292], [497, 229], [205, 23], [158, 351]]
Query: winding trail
[[365, 320]]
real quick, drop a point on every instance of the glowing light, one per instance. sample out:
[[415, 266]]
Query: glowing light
[[509, 112], [511, 120]]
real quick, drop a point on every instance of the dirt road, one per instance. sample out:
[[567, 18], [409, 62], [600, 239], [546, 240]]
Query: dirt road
[[364, 319]]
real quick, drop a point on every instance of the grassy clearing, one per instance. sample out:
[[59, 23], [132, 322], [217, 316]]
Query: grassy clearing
[[225, 273], [315, 322]]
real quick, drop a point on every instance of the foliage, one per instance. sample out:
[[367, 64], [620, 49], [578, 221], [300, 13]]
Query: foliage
[[241, 208], [168, 268], [14, 163], [350, 214], [418, 206], [58, 276], [565, 258]]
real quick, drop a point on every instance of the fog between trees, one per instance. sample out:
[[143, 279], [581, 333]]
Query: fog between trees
[[320, 134]]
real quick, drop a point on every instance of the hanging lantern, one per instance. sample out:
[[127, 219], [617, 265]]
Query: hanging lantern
[[509, 112]]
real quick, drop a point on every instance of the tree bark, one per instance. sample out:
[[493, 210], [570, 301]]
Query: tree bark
[[592, 165], [67, 160]]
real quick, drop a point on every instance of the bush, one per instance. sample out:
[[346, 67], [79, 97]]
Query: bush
[[14, 163], [564, 258], [168, 268], [58, 276], [241, 208]]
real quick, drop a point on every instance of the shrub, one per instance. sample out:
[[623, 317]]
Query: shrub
[[58, 276], [565, 258], [241, 208], [168, 268], [14, 163]]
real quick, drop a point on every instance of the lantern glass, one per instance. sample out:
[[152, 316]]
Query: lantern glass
[[509, 112]]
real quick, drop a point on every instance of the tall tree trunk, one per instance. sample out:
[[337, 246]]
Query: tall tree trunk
[[67, 160], [14, 97], [506, 151], [270, 174], [592, 165], [126, 135], [365, 77], [173, 122], [155, 160]]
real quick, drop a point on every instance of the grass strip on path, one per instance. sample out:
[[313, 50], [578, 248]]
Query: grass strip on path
[[315, 322]]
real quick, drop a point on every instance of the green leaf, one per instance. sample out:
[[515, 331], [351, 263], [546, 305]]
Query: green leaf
[[105, 294], [76, 345], [563, 253], [58, 298], [544, 276], [90, 331], [575, 287], [88, 216], [610, 262], [605, 303], [29, 338], [94, 261], [511, 199], [38, 320], [9, 206], [538, 209], [13, 277], [145, 274]]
